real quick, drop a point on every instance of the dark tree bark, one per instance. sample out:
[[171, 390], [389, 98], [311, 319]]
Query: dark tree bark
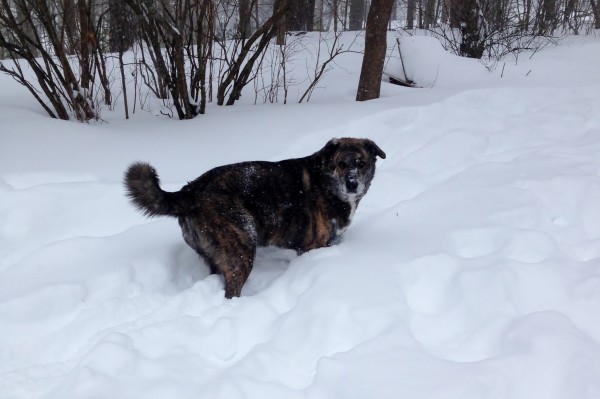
[[444, 5], [596, 9], [69, 26], [245, 12], [86, 43], [297, 15], [527, 16], [569, 9], [280, 22], [369, 84], [466, 16], [122, 26], [310, 15], [429, 14], [546, 19], [27, 25], [410, 14], [496, 14], [454, 8], [335, 6], [357, 14]]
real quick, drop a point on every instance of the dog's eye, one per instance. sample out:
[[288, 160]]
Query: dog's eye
[[360, 163], [342, 164]]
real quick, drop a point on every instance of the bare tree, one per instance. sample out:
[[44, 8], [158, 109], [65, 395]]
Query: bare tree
[[241, 69], [161, 26], [333, 48], [29, 28], [369, 84]]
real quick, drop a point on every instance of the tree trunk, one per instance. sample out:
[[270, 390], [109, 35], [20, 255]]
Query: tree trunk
[[445, 12], [28, 28], [357, 12], [454, 10], [296, 18], [410, 14], [429, 15], [569, 9], [244, 18], [527, 17], [123, 84], [310, 15], [86, 43], [466, 16], [596, 9], [122, 26], [281, 22], [334, 10], [320, 23], [68, 35], [369, 84], [546, 18]]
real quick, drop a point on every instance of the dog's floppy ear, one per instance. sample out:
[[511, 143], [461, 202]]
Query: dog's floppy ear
[[330, 148], [374, 148]]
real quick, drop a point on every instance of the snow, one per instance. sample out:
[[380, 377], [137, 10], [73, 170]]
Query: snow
[[471, 269]]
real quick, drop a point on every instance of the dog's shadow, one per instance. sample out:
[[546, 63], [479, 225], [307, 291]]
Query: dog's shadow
[[270, 263]]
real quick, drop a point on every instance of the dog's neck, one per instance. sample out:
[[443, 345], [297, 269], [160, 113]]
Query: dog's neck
[[342, 227]]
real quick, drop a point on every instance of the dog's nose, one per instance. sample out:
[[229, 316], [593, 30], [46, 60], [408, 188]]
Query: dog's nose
[[351, 186]]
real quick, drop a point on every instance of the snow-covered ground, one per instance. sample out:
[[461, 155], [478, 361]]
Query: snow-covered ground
[[471, 270]]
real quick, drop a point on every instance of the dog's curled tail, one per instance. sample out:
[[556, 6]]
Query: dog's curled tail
[[143, 188]]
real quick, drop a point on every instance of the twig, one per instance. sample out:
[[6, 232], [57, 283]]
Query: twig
[[402, 61]]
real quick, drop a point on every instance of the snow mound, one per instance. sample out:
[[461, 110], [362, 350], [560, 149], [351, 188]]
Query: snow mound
[[427, 64]]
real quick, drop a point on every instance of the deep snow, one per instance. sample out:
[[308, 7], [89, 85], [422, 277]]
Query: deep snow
[[471, 269]]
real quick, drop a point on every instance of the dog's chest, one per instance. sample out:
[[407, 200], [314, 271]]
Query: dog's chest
[[341, 225], [330, 223]]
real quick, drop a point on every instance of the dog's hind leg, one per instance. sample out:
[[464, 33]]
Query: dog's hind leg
[[227, 243], [236, 273], [234, 257]]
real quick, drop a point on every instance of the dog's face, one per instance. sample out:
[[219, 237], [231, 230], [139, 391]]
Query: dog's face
[[350, 165]]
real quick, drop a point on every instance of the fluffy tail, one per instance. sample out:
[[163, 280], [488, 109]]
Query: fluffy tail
[[143, 188]]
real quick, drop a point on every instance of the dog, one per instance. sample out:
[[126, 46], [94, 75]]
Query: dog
[[301, 204]]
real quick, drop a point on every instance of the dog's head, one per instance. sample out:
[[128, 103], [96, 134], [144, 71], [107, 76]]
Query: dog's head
[[349, 165]]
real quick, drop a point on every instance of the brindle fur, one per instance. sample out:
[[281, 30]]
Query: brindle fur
[[301, 204]]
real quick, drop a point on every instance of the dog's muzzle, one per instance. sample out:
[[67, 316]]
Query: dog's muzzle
[[352, 181]]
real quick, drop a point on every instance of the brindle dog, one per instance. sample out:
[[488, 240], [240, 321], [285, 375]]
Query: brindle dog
[[302, 204]]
